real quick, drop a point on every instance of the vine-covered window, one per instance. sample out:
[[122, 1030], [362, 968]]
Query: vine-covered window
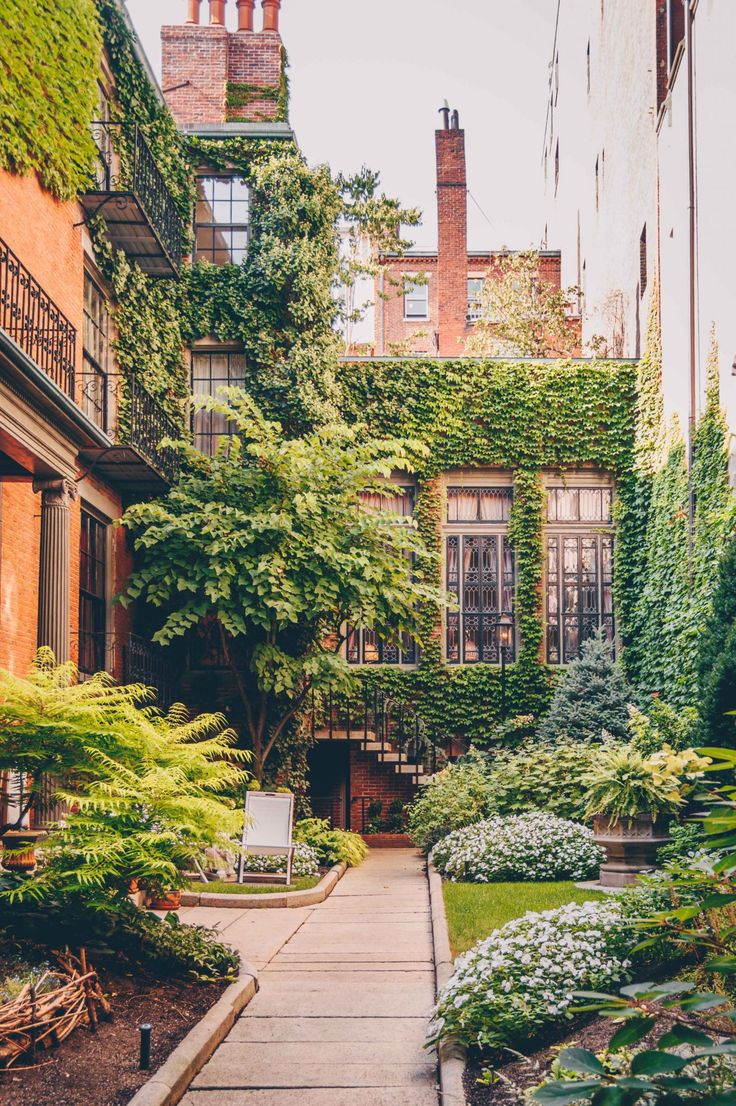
[[579, 570], [479, 504], [364, 646], [92, 595], [480, 574], [221, 220], [212, 370]]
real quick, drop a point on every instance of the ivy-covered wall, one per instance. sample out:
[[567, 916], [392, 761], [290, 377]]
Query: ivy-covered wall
[[517, 415]]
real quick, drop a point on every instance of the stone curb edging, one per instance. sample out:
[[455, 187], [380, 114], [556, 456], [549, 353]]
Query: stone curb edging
[[277, 900], [451, 1054], [170, 1083]]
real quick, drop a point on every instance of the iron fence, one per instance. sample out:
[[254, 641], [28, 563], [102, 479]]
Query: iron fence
[[30, 317]]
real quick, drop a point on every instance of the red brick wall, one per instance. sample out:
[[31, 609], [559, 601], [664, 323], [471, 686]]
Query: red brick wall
[[204, 59], [452, 241], [368, 776]]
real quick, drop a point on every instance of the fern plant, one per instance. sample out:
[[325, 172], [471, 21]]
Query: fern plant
[[147, 793]]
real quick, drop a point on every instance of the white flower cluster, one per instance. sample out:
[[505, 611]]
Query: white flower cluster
[[532, 846], [306, 862], [521, 978]]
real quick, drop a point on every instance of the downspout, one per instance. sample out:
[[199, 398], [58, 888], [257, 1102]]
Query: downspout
[[692, 274], [382, 283]]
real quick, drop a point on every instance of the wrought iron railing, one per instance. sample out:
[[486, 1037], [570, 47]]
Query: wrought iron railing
[[144, 662], [31, 318], [393, 729], [145, 425], [126, 164]]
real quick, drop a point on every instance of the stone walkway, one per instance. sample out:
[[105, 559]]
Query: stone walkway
[[341, 1013]]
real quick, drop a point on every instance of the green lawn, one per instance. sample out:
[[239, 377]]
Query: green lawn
[[220, 887], [475, 909]]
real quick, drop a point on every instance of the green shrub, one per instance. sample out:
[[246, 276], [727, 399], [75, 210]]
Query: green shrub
[[592, 698], [332, 845], [540, 777], [687, 839], [455, 797], [661, 725]]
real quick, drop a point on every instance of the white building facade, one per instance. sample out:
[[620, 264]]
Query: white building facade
[[639, 170]]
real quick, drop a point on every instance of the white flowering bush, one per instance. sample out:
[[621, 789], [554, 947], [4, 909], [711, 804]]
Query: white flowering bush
[[507, 988], [306, 862], [533, 846]]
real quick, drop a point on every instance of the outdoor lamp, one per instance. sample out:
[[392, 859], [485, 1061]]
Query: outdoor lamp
[[505, 643]]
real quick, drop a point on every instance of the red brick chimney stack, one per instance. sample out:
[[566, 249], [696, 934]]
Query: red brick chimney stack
[[245, 14], [211, 77], [452, 234]]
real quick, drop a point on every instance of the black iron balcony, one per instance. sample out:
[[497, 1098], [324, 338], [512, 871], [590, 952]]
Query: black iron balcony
[[137, 424], [132, 195], [146, 663], [31, 318]]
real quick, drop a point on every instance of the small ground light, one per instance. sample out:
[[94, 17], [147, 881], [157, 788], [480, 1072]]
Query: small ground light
[[145, 1059]]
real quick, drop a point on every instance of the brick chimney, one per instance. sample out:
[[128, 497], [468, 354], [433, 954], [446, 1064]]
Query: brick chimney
[[210, 75], [452, 235]]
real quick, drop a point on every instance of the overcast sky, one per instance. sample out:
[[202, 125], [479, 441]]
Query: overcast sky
[[367, 79]]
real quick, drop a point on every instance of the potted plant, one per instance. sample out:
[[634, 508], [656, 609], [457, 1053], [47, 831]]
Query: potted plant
[[631, 798]]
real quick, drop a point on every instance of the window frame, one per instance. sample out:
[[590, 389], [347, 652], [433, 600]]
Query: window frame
[[475, 302], [211, 437], [600, 533], [202, 253], [94, 398], [94, 593], [460, 530], [424, 286]]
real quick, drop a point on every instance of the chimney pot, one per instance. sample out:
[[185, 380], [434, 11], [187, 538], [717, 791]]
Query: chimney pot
[[445, 113], [455, 126], [271, 15], [217, 13], [245, 14], [193, 7]]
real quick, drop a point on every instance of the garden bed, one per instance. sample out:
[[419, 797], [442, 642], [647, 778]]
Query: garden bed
[[474, 910], [529, 1070], [101, 1069], [227, 887]]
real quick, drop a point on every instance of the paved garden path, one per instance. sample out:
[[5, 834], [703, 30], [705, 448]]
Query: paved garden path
[[342, 1008]]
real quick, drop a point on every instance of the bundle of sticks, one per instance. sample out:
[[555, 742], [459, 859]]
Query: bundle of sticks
[[44, 1013]]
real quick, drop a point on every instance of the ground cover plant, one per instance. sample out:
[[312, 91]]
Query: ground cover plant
[[474, 910], [225, 887], [532, 846]]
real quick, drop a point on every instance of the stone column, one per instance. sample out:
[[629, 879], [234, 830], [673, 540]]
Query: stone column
[[54, 574]]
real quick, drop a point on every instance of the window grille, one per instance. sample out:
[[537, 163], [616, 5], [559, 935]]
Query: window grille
[[222, 219]]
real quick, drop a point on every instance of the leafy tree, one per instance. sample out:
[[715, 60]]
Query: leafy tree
[[521, 314], [592, 697], [718, 659], [269, 540], [371, 226]]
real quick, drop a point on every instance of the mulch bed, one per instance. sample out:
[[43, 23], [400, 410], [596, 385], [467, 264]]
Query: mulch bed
[[101, 1069], [527, 1072]]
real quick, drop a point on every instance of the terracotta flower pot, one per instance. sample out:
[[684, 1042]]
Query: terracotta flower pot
[[631, 846], [170, 901], [26, 840]]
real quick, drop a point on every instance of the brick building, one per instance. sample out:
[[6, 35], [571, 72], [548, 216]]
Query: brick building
[[436, 314]]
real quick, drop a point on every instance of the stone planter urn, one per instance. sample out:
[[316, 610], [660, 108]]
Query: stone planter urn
[[25, 839], [631, 846]]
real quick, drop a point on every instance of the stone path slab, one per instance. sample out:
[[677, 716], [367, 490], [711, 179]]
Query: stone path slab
[[344, 998]]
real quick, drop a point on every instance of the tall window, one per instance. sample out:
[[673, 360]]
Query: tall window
[[96, 353], [479, 572], [579, 570], [221, 221], [416, 301], [643, 261], [475, 290], [92, 595], [364, 646], [211, 370]]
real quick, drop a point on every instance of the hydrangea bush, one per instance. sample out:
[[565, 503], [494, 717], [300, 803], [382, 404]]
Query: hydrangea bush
[[305, 863], [533, 846], [507, 988]]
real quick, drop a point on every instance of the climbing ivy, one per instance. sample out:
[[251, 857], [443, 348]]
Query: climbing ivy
[[517, 415], [48, 89]]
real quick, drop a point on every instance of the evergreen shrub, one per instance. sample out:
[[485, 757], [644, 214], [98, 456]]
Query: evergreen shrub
[[592, 698]]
